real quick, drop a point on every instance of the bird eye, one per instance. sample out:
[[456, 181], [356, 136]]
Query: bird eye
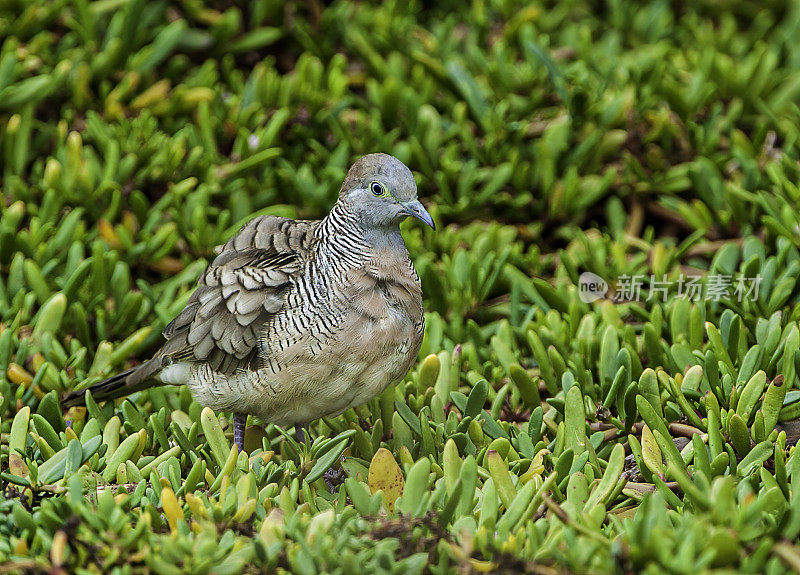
[[376, 188]]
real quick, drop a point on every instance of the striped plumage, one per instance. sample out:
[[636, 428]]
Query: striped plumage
[[296, 320]]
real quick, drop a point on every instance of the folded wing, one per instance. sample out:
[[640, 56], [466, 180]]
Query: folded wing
[[239, 293]]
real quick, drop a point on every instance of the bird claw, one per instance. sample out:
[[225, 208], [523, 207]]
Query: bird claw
[[334, 478]]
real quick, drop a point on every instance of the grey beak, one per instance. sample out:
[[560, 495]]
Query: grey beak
[[416, 209]]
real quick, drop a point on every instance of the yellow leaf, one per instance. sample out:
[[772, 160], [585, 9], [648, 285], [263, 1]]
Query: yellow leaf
[[70, 433], [17, 466], [58, 547], [650, 452], [272, 527], [18, 375], [385, 475], [172, 509], [196, 506], [536, 468], [320, 523], [21, 548], [482, 566]]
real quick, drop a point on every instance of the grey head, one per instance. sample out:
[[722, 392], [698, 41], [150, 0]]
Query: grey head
[[380, 190]]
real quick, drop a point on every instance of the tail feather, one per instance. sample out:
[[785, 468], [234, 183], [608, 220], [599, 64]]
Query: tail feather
[[115, 386]]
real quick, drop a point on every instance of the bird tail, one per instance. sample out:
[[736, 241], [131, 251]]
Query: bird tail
[[115, 386]]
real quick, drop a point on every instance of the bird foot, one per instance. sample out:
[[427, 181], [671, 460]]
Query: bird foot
[[334, 478], [239, 423]]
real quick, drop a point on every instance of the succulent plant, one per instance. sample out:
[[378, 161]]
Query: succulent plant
[[649, 429]]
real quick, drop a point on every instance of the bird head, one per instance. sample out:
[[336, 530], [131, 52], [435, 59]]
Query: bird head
[[381, 190]]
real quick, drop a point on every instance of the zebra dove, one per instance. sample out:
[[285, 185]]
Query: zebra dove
[[296, 320]]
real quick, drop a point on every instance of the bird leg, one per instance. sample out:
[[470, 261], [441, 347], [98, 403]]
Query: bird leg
[[300, 432], [239, 423]]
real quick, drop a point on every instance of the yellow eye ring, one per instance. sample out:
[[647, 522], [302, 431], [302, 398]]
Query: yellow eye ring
[[377, 188]]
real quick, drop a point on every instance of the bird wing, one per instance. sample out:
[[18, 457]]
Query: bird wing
[[238, 294]]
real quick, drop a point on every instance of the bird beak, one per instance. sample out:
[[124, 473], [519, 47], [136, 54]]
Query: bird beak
[[416, 209]]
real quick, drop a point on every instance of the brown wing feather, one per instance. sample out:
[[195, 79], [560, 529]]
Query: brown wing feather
[[238, 294]]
